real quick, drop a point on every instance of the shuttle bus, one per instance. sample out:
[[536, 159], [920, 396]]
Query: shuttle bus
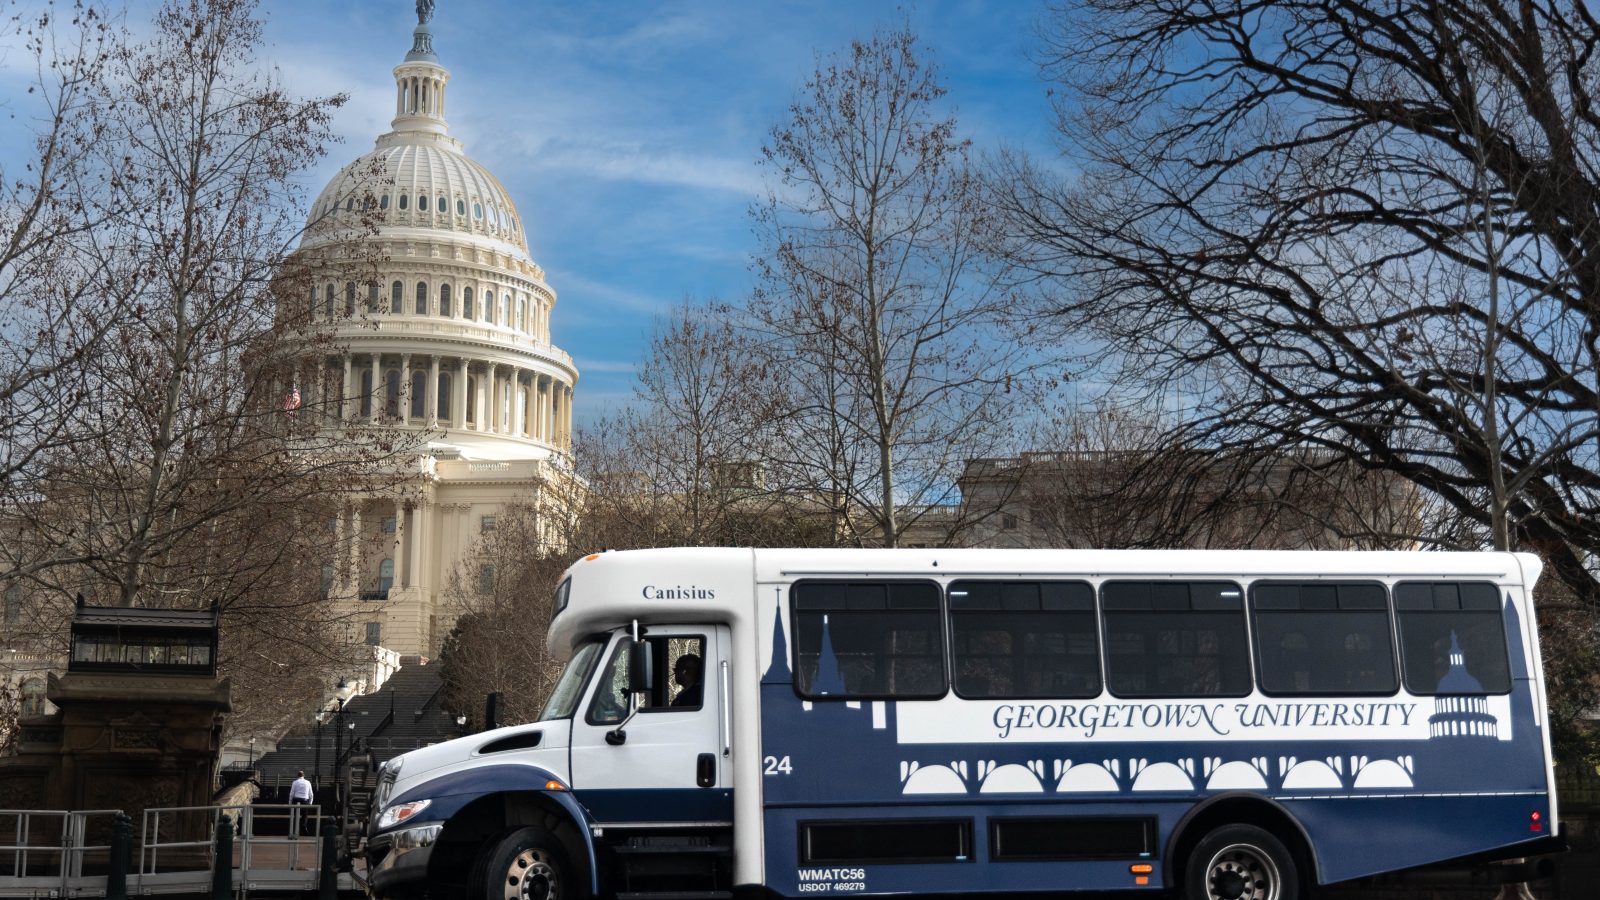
[[1233, 725]]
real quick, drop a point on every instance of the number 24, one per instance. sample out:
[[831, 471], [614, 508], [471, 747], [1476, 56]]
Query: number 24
[[776, 766]]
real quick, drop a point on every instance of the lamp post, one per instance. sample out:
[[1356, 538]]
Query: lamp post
[[316, 765], [342, 694], [252, 753]]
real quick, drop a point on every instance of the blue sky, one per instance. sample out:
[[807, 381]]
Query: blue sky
[[628, 131]]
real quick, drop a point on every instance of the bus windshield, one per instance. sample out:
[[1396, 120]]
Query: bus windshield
[[570, 688]]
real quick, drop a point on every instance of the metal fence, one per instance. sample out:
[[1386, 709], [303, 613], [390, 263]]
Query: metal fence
[[59, 854]]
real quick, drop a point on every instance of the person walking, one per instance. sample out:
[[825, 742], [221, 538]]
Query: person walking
[[299, 795]]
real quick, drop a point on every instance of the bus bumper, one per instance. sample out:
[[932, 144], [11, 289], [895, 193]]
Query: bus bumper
[[397, 862]]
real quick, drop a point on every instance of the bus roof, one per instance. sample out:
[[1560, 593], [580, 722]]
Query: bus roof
[[713, 584]]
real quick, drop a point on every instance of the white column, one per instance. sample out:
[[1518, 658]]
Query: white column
[[458, 409], [402, 547], [341, 555], [405, 389], [377, 387], [431, 404], [527, 407], [516, 402], [357, 554], [421, 541], [566, 418], [560, 414], [487, 421], [347, 392], [541, 418]]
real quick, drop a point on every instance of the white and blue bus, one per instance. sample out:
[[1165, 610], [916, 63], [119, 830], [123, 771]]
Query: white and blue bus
[[1236, 725]]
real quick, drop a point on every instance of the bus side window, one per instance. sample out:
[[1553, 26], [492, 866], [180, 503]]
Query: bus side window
[[1175, 639], [868, 639], [1323, 637], [1017, 639], [1452, 637]]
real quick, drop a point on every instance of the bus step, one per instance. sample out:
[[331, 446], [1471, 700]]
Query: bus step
[[676, 895], [672, 849]]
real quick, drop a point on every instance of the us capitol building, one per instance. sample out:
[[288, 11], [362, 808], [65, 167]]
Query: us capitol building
[[450, 344]]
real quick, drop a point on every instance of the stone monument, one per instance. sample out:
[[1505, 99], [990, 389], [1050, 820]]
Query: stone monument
[[140, 717]]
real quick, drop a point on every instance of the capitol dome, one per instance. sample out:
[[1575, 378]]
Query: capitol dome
[[429, 316], [419, 185], [445, 317]]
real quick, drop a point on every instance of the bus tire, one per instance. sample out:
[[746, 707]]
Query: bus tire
[[1241, 862], [526, 864]]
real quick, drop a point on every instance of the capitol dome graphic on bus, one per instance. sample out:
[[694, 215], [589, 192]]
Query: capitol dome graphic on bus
[[1460, 707]]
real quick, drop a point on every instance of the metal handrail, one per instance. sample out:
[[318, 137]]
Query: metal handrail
[[64, 852], [69, 849]]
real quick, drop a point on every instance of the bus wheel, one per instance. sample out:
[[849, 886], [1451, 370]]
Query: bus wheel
[[1241, 862], [527, 864]]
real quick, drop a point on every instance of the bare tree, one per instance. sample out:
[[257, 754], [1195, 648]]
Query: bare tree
[[188, 468], [697, 430], [1276, 217], [1367, 230], [60, 301], [878, 308], [511, 578]]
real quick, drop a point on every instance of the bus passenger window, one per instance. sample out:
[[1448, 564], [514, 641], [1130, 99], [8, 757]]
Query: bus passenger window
[[1175, 639], [862, 639], [1016, 639], [1452, 637], [1323, 638]]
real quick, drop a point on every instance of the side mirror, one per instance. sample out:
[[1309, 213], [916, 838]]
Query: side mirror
[[641, 672]]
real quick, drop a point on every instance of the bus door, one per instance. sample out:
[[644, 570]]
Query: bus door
[[659, 756]]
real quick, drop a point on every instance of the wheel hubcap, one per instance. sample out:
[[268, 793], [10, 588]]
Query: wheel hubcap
[[1242, 872], [532, 877]]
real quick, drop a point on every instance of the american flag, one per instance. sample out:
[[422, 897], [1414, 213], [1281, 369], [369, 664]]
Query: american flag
[[292, 401]]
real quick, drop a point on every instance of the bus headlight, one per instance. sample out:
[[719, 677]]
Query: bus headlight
[[394, 815]]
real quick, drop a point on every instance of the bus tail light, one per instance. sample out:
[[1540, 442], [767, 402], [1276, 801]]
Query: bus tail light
[[1141, 873], [1535, 822]]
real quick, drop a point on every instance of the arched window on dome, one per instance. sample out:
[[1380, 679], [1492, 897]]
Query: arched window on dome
[[466, 303], [383, 202], [443, 205], [366, 394], [472, 400], [444, 301], [402, 201], [349, 203], [328, 302], [522, 314], [350, 298], [422, 203], [477, 210], [397, 296], [391, 392], [488, 307], [419, 394], [372, 297], [444, 396], [461, 207], [422, 298]]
